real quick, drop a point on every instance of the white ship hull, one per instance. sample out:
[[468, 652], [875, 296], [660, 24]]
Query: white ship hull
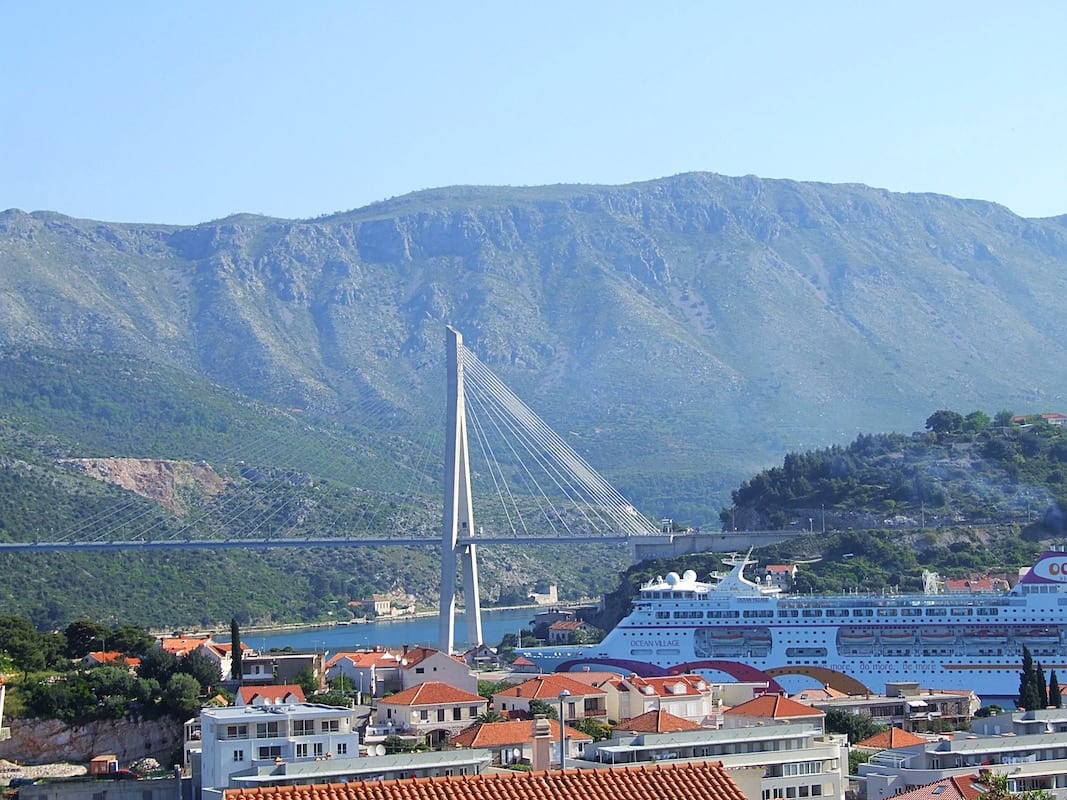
[[747, 632]]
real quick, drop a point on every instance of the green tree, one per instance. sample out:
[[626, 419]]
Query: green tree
[[976, 422], [307, 681], [944, 421], [1029, 691], [157, 664], [201, 667], [83, 637], [181, 698], [856, 727], [543, 707], [598, 730], [1002, 419], [235, 650], [489, 716], [1055, 698], [133, 640]]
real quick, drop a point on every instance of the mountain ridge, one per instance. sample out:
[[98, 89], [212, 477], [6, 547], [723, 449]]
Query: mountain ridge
[[669, 313]]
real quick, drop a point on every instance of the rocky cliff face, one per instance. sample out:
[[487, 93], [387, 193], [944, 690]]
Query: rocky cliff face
[[169, 483], [44, 741]]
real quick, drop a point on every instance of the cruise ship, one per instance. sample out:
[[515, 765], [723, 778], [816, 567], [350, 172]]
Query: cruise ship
[[732, 628]]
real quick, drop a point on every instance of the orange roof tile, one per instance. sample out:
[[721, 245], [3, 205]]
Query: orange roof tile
[[705, 779], [774, 706], [657, 721], [955, 787], [180, 645], [668, 686], [548, 687], [366, 658], [813, 695], [522, 661], [512, 732], [567, 625], [274, 694], [431, 693], [894, 737]]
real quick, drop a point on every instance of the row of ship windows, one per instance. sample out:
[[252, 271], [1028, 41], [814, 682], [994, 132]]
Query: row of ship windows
[[809, 613]]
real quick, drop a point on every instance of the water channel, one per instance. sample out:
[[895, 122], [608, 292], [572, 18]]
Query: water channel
[[410, 631]]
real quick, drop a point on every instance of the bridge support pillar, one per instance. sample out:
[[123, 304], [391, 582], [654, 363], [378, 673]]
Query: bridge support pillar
[[458, 516]]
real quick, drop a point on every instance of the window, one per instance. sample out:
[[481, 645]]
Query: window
[[238, 755], [342, 748], [473, 712], [420, 670], [317, 749], [457, 713], [303, 727], [331, 726], [424, 715], [266, 730], [302, 750], [236, 731], [274, 751], [440, 715]]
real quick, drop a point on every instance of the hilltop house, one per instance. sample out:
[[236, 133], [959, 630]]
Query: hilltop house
[[431, 711]]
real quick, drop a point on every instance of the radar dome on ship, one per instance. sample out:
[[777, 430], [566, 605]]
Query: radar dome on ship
[[689, 575], [672, 578]]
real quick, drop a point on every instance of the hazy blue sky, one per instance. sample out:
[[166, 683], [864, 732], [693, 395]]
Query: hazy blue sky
[[187, 111]]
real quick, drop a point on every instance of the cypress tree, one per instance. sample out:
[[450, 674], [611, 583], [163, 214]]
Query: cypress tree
[[1054, 698], [235, 650], [1040, 687], [1027, 697]]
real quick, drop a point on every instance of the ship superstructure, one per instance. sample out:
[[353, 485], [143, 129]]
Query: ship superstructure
[[858, 642]]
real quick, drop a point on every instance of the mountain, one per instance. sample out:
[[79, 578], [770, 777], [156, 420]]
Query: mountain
[[682, 332]]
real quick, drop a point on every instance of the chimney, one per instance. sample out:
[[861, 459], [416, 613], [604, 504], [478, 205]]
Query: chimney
[[542, 743]]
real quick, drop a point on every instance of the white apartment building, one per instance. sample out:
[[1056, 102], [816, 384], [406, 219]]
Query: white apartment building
[[797, 759], [240, 740], [1029, 747]]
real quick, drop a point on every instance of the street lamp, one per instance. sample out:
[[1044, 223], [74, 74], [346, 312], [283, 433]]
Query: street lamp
[[562, 731]]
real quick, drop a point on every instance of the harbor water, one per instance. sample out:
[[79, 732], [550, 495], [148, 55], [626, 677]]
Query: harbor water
[[411, 631]]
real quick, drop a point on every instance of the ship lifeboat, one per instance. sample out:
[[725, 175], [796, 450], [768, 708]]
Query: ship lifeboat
[[897, 637], [987, 635], [937, 636], [856, 637], [726, 635], [1037, 635]]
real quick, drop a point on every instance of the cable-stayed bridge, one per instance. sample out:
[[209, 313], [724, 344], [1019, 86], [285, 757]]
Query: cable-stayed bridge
[[528, 485]]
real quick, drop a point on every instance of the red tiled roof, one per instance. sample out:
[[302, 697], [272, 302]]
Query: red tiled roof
[[657, 721], [780, 568], [671, 686], [567, 625], [276, 693], [955, 787], [812, 695], [431, 693], [512, 732], [705, 779], [366, 658], [548, 687], [591, 678], [180, 645], [774, 706], [894, 737], [522, 661]]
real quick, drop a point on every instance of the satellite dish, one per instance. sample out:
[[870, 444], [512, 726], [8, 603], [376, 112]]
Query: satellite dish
[[516, 754], [379, 749]]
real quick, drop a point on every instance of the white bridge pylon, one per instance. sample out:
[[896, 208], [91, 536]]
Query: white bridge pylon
[[458, 514]]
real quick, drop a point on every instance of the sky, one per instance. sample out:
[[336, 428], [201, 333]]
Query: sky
[[184, 112]]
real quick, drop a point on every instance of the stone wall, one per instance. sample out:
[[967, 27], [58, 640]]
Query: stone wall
[[43, 741]]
